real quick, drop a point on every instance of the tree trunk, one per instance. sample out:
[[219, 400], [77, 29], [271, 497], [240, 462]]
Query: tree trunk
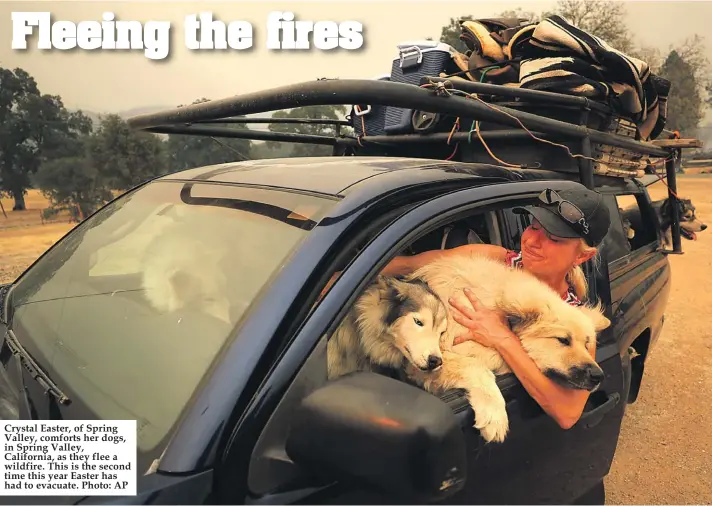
[[19, 201]]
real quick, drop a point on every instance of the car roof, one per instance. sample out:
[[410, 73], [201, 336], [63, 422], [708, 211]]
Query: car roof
[[339, 175]]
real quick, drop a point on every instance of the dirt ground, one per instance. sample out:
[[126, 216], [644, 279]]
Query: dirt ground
[[664, 454], [25, 235]]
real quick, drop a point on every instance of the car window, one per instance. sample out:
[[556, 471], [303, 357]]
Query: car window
[[617, 241], [270, 467], [638, 223], [130, 310]]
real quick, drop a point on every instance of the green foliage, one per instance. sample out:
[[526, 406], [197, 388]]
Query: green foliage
[[188, 151], [684, 101], [125, 157], [450, 33], [310, 112], [519, 13], [33, 128], [73, 182]]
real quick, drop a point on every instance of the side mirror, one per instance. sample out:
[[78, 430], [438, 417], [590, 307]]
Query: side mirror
[[380, 433]]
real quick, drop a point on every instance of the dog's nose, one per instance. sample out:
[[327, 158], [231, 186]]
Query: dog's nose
[[434, 362], [703, 227], [595, 375]]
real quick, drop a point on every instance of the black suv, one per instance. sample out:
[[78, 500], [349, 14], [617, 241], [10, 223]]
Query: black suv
[[228, 385], [237, 409]]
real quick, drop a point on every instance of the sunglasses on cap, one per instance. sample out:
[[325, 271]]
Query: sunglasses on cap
[[566, 210]]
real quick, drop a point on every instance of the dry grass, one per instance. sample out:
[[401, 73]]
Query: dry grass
[[24, 237], [664, 454]]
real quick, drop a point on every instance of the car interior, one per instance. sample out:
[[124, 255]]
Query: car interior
[[270, 467]]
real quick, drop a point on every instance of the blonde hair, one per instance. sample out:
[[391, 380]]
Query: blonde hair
[[576, 278]]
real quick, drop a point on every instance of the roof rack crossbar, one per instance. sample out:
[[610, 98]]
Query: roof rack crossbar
[[457, 136], [545, 97], [359, 91], [305, 121], [256, 135]]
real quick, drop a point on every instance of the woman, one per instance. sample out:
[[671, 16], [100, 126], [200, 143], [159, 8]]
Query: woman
[[566, 229]]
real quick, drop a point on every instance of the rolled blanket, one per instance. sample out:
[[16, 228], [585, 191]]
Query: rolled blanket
[[558, 52], [488, 42], [553, 55]]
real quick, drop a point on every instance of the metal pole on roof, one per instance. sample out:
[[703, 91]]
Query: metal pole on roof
[[674, 203]]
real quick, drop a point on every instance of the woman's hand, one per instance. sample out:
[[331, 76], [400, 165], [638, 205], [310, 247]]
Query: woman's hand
[[485, 326]]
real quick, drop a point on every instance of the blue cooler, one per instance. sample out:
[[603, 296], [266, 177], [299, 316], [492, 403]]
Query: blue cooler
[[416, 60], [373, 117]]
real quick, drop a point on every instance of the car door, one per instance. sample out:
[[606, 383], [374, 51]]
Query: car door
[[538, 463], [639, 278]]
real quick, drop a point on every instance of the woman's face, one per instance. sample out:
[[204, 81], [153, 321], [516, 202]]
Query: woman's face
[[546, 253]]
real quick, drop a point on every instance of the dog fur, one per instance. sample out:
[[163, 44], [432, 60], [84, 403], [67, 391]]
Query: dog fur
[[379, 330], [628, 229], [690, 224], [555, 334], [391, 321]]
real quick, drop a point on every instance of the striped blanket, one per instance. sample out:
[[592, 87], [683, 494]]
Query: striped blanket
[[553, 55]]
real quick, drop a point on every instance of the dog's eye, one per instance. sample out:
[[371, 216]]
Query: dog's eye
[[417, 322], [566, 341]]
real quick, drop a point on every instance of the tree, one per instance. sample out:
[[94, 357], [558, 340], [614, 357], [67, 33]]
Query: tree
[[188, 151], [450, 33], [33, 128], [73, 181], [602, 18], [684, 110], [692, 51], [125, 157], [530, 16], [650, 55], [312, 112]]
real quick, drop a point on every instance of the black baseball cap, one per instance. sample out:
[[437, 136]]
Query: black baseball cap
[[579, 213]]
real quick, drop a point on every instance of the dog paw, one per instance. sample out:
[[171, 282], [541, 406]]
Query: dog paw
[[492, 422]]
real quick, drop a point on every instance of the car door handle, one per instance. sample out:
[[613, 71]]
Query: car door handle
[[593, 417]]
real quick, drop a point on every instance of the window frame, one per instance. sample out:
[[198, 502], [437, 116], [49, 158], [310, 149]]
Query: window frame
[[394, 238], [635, 257]]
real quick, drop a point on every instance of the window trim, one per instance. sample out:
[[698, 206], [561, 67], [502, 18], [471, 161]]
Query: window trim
[[638, 256]]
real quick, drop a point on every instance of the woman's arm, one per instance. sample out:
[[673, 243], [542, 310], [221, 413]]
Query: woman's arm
[[564, 405], [403, 265]]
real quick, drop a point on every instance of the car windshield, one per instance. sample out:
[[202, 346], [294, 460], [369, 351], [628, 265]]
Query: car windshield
[[128, 312]]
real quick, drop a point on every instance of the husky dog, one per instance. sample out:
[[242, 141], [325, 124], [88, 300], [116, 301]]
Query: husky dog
[[556, 336], [391, 321], [690, 224], [628, 229]]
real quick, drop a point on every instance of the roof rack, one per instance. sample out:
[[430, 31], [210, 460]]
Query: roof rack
[[559, 132]]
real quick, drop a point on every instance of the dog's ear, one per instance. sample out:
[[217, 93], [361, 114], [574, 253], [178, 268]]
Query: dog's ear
[[383, 282], [520, 318], [595, 313], [394, 288], [518, 322], [387, 287]]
